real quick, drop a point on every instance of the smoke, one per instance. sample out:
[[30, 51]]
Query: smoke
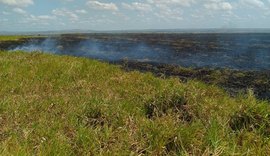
[[49, 45], [112, 50], [119, 50], [235, 51]]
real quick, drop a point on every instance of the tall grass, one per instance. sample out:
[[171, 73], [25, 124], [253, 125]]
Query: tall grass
[[61, 105]]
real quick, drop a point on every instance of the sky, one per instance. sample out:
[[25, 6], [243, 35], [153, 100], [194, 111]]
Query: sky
[[49, 15]]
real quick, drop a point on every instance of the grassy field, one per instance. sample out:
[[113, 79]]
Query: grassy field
[[11, 38], [61, 105], [15, 37]]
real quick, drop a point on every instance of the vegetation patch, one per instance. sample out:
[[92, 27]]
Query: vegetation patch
[[61, 105], [233, 81], [168, 103], [251, 117]]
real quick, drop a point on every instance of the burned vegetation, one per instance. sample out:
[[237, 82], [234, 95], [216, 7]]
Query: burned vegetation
[[235, 62]]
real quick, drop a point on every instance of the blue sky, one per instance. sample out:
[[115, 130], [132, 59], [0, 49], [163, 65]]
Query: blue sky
[[41, 15]]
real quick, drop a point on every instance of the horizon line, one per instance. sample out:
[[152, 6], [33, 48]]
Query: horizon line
[[175, 30]]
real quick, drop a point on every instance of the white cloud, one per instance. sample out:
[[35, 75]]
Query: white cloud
[[102, 6], [226, 6], [66, 13], [217, 5], [3, 20], [40, 18], [29, 19], [45, 17], [5, 13], [172, 2], [81, 11], [163, 9], [253, 3], [167, 13], [67, 0], [19, 11], [18, 3], [137, 6], [36, 20]]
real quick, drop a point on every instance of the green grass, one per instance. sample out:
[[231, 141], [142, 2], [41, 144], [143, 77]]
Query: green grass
[[61, 105], [15, 37], [10, 38]]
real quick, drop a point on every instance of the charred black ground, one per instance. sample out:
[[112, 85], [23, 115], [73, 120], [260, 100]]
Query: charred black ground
[[233, 81], [236, 62]]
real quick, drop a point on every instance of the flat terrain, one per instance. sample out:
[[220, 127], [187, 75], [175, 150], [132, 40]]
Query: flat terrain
[[237, 55], [12, 38], [233, 51], [63, 105]]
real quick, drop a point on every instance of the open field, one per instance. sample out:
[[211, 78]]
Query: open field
[[12, 38], [134, 78], [61, 105], [235, 62], [233, 51]]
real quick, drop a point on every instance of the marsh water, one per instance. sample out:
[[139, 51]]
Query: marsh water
[[248, 51]]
